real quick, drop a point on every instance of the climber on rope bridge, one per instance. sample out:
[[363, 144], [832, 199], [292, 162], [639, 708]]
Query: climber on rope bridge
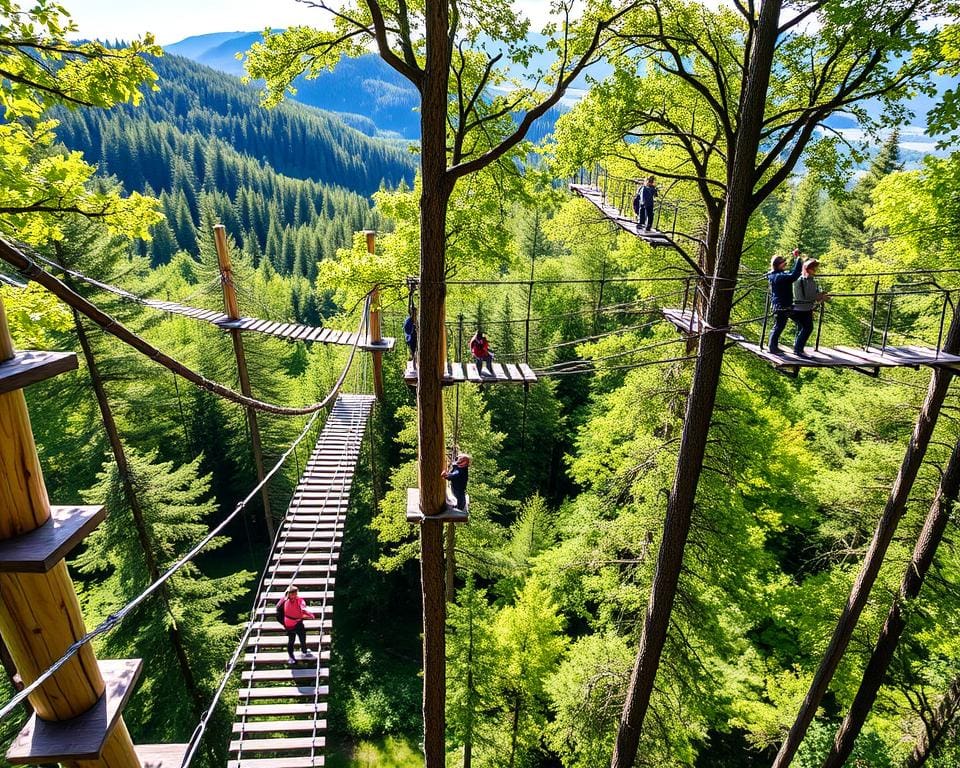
[[781, 294], [458, 474], [292, 610]]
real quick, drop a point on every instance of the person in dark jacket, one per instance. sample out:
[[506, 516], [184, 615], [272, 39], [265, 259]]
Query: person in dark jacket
[[648, 193], [781, 295], [637, 197], [806, 296], [458, 474], [410, 333]]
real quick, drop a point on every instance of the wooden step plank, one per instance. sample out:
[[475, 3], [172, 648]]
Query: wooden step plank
[[254, 746], [284, 692], [277, 762], [279, 726], [41, 549], [290, 674], [279, 710], [160, 755], [29, 367], [529, 376], [280, 640], [263, 659]]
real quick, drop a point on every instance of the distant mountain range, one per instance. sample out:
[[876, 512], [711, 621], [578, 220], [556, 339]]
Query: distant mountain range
[[366, 93], [373, 98]]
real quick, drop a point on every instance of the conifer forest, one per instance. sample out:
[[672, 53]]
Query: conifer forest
[[683, 546]]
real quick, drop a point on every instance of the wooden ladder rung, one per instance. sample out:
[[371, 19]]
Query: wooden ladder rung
[[277, 762], [279, 710], [279, 726], [286, 691], [277, 745], [289, 674]]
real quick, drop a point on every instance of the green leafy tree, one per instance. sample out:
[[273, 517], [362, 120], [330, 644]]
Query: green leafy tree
[[804, 228], [40, 68], [174, 508]]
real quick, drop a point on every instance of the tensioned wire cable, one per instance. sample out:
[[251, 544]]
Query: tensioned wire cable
[[31, 270]]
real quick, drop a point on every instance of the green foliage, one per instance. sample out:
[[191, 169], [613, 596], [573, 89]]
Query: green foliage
[[40, 68], [174, 511]]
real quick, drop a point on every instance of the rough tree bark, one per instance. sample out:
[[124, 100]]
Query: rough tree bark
[[935, 730], [434, 197], [882, 536], [930, 537], [703, 391]]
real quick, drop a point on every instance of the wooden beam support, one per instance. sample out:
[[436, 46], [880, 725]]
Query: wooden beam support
[[39, 612], [233, 310], [375, 334]]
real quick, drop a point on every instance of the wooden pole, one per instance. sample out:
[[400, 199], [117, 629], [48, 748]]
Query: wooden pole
[[39, 612], [375, 333], [233, 311]]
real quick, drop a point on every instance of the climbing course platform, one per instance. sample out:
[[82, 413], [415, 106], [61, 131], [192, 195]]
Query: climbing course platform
[[458, 373], [594, 195], [281, 711], [867, 360]]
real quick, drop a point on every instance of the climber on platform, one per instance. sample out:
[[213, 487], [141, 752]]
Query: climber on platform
[[480, 349], [410, 333], [458, 474], [781, 295]]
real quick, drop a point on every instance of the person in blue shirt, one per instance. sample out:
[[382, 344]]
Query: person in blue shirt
[[458, 474], [648, 192], [781, 295], [410, 333]]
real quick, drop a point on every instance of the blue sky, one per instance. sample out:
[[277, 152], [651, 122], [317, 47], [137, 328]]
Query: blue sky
[[173, 20]]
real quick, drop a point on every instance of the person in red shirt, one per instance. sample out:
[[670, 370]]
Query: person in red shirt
[[294, 612], [480, 349]]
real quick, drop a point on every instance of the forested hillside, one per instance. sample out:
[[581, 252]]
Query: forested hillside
[[682, 548], [291, 184]]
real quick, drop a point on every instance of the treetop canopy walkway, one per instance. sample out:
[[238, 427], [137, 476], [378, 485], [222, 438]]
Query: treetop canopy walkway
[[869, 359]]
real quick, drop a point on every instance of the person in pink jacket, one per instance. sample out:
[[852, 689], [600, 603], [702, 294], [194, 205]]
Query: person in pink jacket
[[294, 612]]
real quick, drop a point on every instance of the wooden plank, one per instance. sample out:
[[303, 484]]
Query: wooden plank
[[868, 357], [321, 556], [449, 515], [285, 691], [308, 595], [41, 549], [82, 737], [290, 674], [278, 762], [29, 367], [304, 568], [529, 377], [280, 641], [161, 755], [473, 375], [279, 658], [279, 710], [279, 726], [276, 745], [320, 335]]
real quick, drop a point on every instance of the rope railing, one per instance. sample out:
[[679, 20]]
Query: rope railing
[[114, 619], [29, 269]]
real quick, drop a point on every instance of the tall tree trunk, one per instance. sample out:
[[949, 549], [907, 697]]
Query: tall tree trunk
[[934, 731], [882, 536], [923, 553], [703, 390], [434, 196], [130, 493]]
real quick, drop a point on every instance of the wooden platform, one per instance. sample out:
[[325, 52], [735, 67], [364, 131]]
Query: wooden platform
[[450, 513], [654, 237], [278, 721], [38, 551], [81, 737], [869, 360], [161, 755], [28, 367], [287, 331], [458, 373]]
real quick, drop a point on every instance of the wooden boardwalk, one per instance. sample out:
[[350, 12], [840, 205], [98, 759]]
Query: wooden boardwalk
[[286, 331], [654, 237], [458, 373], [868, 361], [281, 711]]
